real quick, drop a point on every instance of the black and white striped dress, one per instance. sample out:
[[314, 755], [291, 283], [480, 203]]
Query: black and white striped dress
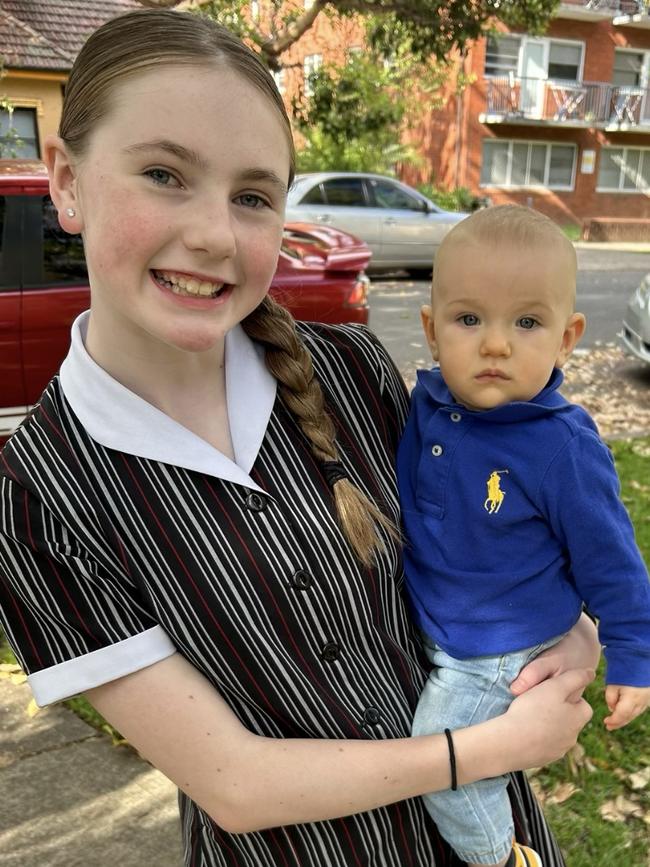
[[124, 538]]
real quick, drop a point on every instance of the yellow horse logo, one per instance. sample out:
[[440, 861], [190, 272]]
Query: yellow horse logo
[[495, 496]]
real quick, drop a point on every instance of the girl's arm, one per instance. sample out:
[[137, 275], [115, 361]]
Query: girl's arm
[[580, 648], [245, 782]]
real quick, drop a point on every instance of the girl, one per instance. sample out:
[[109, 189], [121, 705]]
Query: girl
[[198, 520]]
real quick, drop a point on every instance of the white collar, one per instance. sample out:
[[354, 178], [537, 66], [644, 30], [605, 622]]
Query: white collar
[[118, 419]]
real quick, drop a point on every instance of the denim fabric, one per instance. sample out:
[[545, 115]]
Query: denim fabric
[[476, 820]]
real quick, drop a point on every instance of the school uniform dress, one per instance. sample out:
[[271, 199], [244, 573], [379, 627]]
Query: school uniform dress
[[125, 538]]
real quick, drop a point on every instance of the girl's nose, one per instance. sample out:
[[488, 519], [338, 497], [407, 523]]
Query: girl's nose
[[210, 229]]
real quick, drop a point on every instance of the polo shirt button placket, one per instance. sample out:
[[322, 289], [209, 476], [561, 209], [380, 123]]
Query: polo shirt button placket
[[255, 502]]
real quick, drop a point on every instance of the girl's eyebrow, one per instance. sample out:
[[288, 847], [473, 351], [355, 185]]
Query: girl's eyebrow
[[170, 147], [193, 158]]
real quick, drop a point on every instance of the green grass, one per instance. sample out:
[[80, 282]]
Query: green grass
[[584, 836], [572, 231]]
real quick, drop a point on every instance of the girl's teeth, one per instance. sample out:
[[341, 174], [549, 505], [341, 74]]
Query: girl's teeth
[[188, 285]]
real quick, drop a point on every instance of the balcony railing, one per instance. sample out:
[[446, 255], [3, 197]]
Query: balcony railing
[[586, 103], [615, 7]]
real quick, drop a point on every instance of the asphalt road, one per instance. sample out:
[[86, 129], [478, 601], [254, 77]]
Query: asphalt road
[[606, 279]]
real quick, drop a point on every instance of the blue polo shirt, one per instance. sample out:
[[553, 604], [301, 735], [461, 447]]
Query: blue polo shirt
[[512, 519]]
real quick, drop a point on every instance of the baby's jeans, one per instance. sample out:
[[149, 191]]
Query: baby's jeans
[[476, 820]]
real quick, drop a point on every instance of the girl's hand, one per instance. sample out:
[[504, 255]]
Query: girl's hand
[[625, 703], [579, 648], [544, 723]]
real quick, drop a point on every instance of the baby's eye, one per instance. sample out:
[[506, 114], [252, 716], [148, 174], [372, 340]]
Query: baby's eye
[[469, 319], [527, 322], [162, 178], [251, 200]]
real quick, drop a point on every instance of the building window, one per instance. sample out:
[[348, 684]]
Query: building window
[[565, 61], [624, 170], [528, 164], [628, 66], [502, 55], [311, 64], [18, 136]]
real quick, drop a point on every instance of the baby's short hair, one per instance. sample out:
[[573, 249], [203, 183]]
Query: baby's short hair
[[514, 224]]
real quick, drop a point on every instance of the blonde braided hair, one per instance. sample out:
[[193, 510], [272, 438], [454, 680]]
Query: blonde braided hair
[[289, 361]]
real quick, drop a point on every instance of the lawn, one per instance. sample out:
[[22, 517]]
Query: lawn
[[607, 770]]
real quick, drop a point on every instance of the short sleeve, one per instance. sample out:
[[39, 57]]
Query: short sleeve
[[69, 606]]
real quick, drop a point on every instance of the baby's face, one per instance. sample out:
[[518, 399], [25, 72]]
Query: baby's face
[[500, 320]]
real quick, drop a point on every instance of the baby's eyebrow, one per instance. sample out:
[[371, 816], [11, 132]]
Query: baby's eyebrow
[[267, 176]]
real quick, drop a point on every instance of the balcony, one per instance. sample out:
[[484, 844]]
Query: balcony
[[540, 102], [630, 13], [588, 10]]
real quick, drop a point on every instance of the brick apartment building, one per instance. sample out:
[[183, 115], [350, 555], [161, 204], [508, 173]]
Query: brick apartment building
[[559, 121]]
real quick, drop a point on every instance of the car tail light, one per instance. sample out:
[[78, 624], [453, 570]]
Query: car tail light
[[358, 297]]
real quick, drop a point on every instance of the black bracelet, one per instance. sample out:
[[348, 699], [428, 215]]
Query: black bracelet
[[452, 760]]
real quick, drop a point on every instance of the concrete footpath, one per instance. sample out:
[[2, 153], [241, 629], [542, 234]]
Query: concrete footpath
[[69, 798]]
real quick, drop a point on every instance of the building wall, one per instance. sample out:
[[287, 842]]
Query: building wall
[[40, 91], [452, 140]]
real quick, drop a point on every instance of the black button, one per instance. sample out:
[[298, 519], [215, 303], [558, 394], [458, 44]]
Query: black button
[[255, 502], [371, 716], [301, 580], [331, 652]]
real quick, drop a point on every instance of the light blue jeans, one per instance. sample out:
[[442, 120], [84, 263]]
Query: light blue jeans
[[476, 820]]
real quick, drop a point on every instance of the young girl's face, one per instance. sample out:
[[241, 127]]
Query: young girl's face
[[180, 199]]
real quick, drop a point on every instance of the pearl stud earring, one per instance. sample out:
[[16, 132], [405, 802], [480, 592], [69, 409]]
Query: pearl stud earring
[[70, 212]]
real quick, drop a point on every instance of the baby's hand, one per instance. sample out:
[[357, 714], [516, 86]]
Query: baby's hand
[[625, 703]]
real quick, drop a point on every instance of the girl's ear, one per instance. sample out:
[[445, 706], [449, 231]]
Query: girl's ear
[[428, 326], [573, 331], [63, 184]]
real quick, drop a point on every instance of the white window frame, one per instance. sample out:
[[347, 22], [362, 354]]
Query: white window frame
[[504, 72], [547, 40], [279, 76], [639, 191], [581, 65], [645, 64], [311, 63], [547, 165]]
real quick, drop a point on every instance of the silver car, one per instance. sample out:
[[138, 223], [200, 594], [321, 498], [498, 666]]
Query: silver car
[[401, 226], [636, 322]]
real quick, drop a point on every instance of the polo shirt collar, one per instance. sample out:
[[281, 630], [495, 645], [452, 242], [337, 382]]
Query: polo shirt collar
[[118, 419], [547, 401]]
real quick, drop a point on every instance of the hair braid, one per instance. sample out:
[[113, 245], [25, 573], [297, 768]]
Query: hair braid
[[290, 362]]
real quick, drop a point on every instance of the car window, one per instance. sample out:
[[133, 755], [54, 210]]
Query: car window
[[56, 258], [10, 242], [314, 196], [345, 191], [389, 195]]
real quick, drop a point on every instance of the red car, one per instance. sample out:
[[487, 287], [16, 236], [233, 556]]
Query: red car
[[44, 284]]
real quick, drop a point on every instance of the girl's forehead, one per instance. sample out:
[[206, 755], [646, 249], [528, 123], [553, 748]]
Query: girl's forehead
[[207, 107]]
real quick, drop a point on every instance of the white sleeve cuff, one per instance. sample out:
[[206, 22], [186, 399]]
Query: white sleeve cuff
[[101, 666]]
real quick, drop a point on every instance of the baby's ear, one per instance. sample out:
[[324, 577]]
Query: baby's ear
[[573, 331], [428, 326]]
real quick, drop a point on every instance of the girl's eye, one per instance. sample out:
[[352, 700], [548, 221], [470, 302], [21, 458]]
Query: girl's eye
[[527, 322], [162, 178], [469, 319], [251, 200]]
